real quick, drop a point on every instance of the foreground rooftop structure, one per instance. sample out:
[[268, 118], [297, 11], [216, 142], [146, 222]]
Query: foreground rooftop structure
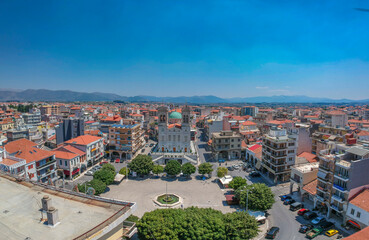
[[79, 216]]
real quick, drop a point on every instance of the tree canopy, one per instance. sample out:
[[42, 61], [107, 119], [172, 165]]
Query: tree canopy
[[196, 223], [108, 167], [205, 168], [188, 169], [96, 184], [105, 175], [222, 171], [261, 197], [157, 169], [142, 164], [237, 182], [173, 167], [124, 171]]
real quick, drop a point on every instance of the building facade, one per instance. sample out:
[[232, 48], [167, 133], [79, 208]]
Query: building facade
[[279, 154], [68, 129]]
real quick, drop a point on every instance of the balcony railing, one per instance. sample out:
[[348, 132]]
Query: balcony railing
[[338, 209], [337, 198], [340, 188]]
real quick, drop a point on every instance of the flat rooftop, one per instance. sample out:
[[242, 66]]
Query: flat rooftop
[[20, 215]]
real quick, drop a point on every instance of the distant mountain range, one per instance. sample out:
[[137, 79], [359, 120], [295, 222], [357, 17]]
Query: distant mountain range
[[68, 96]]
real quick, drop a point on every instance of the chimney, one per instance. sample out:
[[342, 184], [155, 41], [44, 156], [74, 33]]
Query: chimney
[[52, 217], [46, 203]]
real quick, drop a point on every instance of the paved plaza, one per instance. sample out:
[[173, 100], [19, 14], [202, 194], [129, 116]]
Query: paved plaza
[[195, 192]]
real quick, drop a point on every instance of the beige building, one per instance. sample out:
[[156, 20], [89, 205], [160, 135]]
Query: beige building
[[279, 154], [125, 141], [226, 145], [302, 175]]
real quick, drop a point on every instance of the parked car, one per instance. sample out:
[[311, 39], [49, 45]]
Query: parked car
[[117, 160], [231, 199], [151, 144], [310, 215], [305, 227], [142, 150], [289, 201], [296, 206], [285, 197], [89, 173], [236, 167], [254, 174], [272, 233], [326, 225], [302, 211], [331, 232], [314, 232], [317, 220]]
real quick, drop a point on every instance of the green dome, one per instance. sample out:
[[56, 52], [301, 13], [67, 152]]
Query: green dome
[[175, 115]]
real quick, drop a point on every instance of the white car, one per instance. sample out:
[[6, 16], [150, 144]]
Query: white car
[[89, 173]]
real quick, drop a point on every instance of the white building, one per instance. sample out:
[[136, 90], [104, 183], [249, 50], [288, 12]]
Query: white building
[[357, 214], [174, 140]]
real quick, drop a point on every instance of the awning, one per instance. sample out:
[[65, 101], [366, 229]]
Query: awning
[[354, 224], [322, 175]]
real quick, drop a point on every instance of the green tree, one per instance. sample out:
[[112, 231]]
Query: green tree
[[108, 167], [222, 171], [195, 223], [188, 169], [124, 171], [235, 226], [237, 182], [260, 198], [205, 168], [98, 185], [105, 175], [142, 165], [157, 169], [173, 167]]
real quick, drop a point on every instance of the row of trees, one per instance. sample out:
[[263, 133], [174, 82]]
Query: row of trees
[[101, 179], [143, 165], [22, 108], [196, 223]]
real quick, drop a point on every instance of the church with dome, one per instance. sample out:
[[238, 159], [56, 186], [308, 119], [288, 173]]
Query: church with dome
[[174, 137]]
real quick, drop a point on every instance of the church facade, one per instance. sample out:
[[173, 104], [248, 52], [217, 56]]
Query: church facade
[[174, 137]]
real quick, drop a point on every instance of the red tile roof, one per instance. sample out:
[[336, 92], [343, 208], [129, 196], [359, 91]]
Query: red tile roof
[[83, 140], [309, 157], [361, 235], [64, 154], [361, 200], [311, 187]]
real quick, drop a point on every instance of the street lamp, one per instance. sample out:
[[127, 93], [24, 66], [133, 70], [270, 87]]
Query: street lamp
[[247, 198]]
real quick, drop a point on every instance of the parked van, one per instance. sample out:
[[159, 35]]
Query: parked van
[[296, 206]]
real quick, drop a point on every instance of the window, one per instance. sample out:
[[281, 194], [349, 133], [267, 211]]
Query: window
[[66, 162], [352, 211], [60, 162], [30, 166], [358, 214]]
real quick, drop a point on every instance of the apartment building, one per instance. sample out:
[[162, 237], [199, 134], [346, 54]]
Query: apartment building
[[31, 118], [325, 134], [226, 145], [68, 129], [249, 110], [302, 175], [40, 164], [125, 141], [50, 110], [342, 168], [69, 163], [279, 154], [91, 146]]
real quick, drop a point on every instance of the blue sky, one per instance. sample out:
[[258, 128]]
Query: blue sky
[[230, 48]]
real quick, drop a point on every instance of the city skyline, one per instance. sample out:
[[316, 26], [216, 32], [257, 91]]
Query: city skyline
[[238, 49]]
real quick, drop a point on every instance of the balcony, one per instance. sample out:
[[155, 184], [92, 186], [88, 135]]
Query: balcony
[[337, 198], [343, 164], [341, 176], [321, 199], [336, 208], [339, 188], [45, 165]]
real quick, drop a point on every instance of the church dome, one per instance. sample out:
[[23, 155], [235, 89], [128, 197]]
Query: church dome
[[175, 115]]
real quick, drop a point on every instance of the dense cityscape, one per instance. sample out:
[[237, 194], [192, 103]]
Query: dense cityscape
[[184, 120], [120, 169]]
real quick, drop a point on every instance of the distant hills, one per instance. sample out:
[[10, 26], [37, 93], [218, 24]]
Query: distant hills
[[68, 96]]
